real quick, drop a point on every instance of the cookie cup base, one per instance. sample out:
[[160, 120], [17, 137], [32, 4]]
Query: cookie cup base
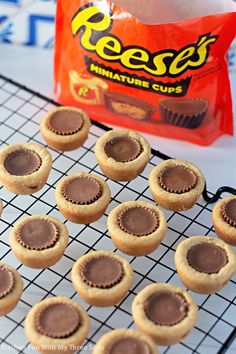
[[102, 297], [130, 244], [9, 302], [46, 345], [164, 335]]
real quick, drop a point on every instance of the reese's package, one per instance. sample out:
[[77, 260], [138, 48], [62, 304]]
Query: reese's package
[[170, 79]]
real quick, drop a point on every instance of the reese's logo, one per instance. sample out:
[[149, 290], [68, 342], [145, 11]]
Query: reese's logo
[[94, 22]]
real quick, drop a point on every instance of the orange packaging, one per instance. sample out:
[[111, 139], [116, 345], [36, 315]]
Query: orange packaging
[[166, 79]]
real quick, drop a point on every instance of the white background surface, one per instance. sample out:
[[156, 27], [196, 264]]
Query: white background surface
[[33, 67]]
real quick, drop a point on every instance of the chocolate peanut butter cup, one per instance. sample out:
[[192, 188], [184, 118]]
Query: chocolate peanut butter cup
[[83, 197], [204, 264], [39, 241], [137, 227], [177, 179], [24, 167], [6, 281], [129, 345], [138, 221], [82, 190], [224, 219], [58, 320], [123, 149], [11, 287], [37, 234], [102, 278], [207, 258], [65, 128], [176, 184], [185, 113], [166, 308], [65, 122], [122, 154], [229, 212], [22, 162], [102, 272], [57, 324], [128, 106], [164, 312], [128, 341]]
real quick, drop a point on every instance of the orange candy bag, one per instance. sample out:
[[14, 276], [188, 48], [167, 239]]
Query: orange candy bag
[[166, 79]]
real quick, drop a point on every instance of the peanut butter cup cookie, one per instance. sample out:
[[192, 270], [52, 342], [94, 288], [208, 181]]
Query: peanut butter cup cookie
[[11, 287], [122, 154], [127, 341], [224, 219], [176, 185], [204, 264], [24, 168], [82, 198], [57, 325], [39, 241], [65, 128], [102, 278], [164, 312], [137, 227]]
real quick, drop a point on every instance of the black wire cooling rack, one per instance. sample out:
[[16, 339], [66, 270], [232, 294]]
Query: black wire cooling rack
[[20, 112]]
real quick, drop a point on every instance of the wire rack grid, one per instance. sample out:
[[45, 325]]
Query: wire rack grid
[[20, 112]]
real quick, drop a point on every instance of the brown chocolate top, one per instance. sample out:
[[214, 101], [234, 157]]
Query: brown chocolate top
[[58, 320], [166, 308], [65, 122], [6, 281], [207, 258], [102, 271], [177, 179], [129, 345], [229, 212], [119, 97], [123, 149], [189, 107], [37, 234], [138, 221], [82, 190], [22, 162]]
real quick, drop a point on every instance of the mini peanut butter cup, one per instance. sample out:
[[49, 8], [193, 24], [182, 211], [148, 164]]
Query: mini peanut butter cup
[[123, 149], [138, 221], [207, 258], [37, 234], [58, 320], [22, 162], [229, 212], [65, 122], [82, 190], [102, 272], [177, 179], [166, 308], [183, 113], [130, 345], [6, 281]]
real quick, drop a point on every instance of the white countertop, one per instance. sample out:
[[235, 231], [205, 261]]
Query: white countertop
[[33, 67]]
